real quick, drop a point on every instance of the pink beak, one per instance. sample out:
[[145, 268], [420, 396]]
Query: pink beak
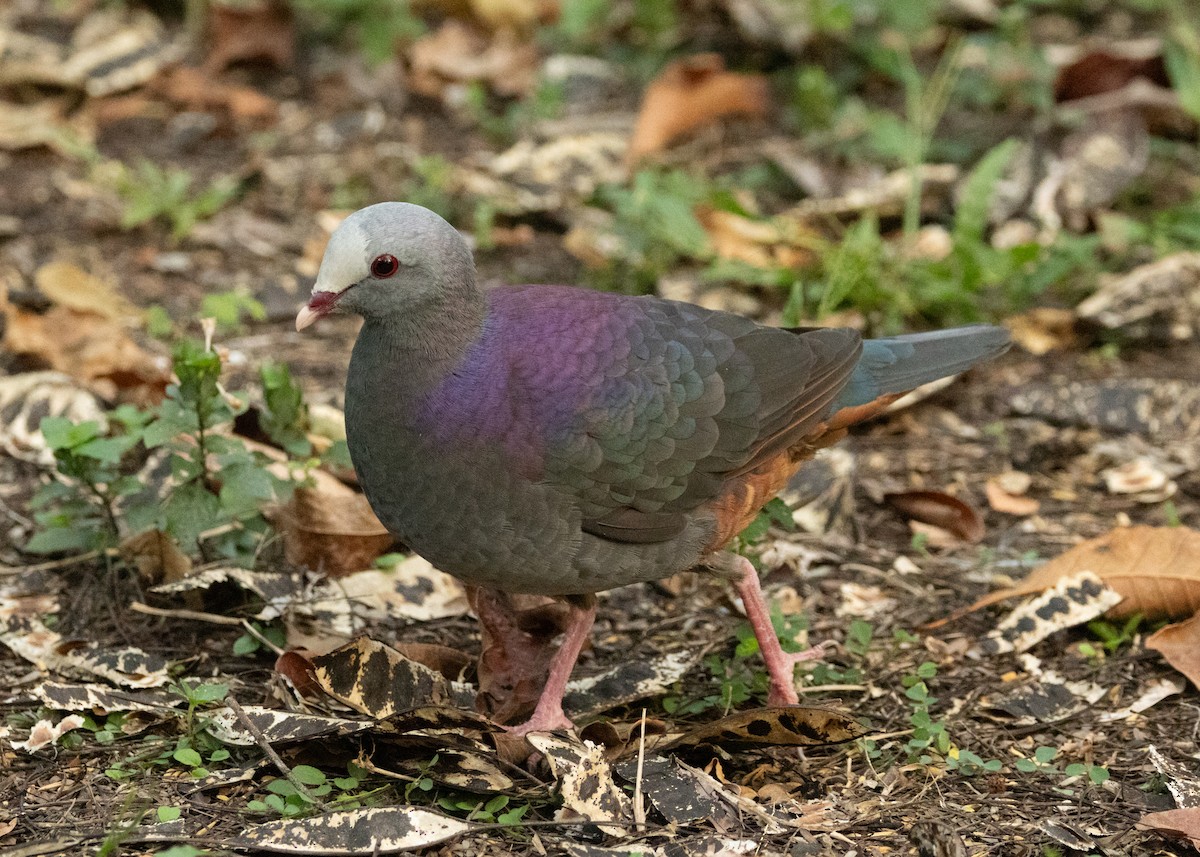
[[320, 304]]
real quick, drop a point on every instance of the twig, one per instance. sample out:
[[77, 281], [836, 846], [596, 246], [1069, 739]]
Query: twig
[[639, 810], [215, 619], [52, 564], [249, 628], [262, 741]]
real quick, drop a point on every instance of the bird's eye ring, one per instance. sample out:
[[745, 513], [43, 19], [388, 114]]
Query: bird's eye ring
[[384, 266]]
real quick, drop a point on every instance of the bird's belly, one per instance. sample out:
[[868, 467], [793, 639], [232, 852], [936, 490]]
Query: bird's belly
[[473, 517]]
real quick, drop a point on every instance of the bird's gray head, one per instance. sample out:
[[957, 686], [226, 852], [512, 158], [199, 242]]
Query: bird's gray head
[[390, 262]]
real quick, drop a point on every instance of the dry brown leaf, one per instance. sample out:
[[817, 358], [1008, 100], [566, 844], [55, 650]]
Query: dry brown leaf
[[514, 14], [330, 527], [1009, 502], [1179, 644], [762, 243], [195, 90], [250, 31], [157, 558], [1174, 823], [299, 670], [691, 93], [940, 510], [70, 286], [459, 53], [1103, 71], [1156, 569], [1044, 329], [88, 347]]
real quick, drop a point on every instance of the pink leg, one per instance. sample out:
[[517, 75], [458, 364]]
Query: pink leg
[[781, 666], [548, 715]]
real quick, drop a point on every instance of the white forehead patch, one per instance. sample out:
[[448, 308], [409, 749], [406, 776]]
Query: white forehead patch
[[345, 260]]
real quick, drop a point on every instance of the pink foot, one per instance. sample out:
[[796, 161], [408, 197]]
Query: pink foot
[[781, 666], [548, 715]]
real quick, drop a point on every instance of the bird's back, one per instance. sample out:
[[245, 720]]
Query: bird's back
[[592, 439]]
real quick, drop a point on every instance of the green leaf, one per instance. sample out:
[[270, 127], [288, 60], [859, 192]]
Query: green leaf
[[1045, 755], [62, 433], [182, 851], [281, 787], [971, 219], [246, 645], [166, 428], [309, 775], [244, 488], [187, 756], [207, 692], [190, 510], [62, 540], [107, 450], [168, 813]]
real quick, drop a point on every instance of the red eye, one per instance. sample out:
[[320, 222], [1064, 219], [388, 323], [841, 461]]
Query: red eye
[[384, 266]]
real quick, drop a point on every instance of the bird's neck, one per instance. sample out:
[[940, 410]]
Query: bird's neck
[[407, 355]]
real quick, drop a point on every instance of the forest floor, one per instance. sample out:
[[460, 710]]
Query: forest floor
[[209, 189]]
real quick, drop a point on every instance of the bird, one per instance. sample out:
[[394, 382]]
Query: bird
[[561, 441]]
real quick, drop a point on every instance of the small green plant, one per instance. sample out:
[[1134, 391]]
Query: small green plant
[[284, 417], [858, 637], [739, 678], [284, 799], [655, 225], [1111, 636], [150, 192], [231, 309], [493, 811], [377, 27], [217, 483], [249, 644], [183, 851], [78, 511], [775, 513], [1044, 761]]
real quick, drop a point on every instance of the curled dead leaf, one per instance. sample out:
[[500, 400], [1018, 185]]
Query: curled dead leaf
[[1104, 71], [1179, 644], [299, 670], [1005, 493], [330, 527], [1044, 329], [778, 243], [691, 93], [940, 510], [195, 90]]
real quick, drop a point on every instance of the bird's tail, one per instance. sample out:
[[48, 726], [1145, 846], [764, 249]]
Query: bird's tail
[[898, 364]]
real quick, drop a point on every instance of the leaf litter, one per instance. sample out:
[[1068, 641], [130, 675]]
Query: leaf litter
[[1076, 173]]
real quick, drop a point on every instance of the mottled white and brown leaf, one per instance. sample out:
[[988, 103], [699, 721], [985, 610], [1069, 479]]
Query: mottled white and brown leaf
[[585, 780], [28, 637], [457, 769], [791, 726], [101, 699], [379, 681], [1071, 602], [280, 727], [627, 682], [381, 830]]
